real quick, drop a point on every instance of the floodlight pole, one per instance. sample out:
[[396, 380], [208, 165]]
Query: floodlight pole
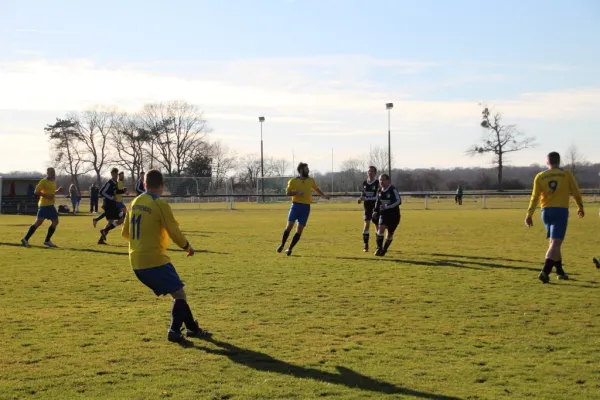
[[262, 164], [389, 107]]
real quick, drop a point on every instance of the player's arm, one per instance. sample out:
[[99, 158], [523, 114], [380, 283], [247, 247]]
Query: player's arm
[[533, 202], [39, 192], [172, 226], [395, 203], [574, 188], [104, 192], [125, 230], [319, 191], [290, 190], [362, 196]]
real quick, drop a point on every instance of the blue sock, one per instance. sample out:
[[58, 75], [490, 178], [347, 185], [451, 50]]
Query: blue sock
[[30, 232], [51, 231]]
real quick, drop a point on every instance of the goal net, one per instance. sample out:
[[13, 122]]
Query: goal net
[[204, 193]]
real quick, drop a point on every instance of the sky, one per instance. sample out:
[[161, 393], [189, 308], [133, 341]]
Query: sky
[[319, 71]]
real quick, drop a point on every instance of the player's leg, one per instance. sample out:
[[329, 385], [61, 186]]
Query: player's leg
[[51, 230], [99, 217], [366, 233], [381, 228], [596, 262], [303, 214], [183, 313], [560, 219], [291, 220], [392, 226], [38, 222]]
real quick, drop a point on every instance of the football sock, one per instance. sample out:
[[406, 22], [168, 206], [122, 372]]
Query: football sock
[[388, 242], [30, 232], [51, 231], [188, 317], [379, 240], [110, 227], [284, 237], [177, 315], [295, 239], [548, 264], [99, 217], [559, 267], [366, 237]]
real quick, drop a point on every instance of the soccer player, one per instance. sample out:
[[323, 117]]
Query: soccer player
[[46, 190], [368, 197], [94, 192], [140, 188], [552, 189], [459, 195], [148, 225], [388, 205], [111, 209], [300, 190]]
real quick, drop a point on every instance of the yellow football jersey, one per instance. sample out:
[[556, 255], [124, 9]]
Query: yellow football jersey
[[148, 225], [119, 196], [304, 185], [552, 189], [46, 186]]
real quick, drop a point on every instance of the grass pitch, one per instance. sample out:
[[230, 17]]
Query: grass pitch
[[454, 310]]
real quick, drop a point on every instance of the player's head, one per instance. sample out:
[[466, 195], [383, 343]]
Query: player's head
[[155, 182], [51, 173], [142, 175], [553, 160], [303, 170], [121, 176], [114, 173], [372, 172], [384, 180]]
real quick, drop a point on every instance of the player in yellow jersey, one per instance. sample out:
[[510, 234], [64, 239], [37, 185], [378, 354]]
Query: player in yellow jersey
[[552, 189], [300, 189], [46, 190], [149, 224]]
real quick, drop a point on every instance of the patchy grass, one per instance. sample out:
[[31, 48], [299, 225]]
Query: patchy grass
[[454, 310]]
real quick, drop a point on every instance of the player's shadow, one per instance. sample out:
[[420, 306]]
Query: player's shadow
[[470, 257], [116, 253], [198, 233], [346, 377], [436, 263]]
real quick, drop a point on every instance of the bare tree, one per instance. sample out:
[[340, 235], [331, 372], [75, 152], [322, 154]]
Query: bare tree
[[224, 161], [64, 138], [500, 140], [175, 129], [574, 160], [94, 128], [378, 157], [128, 139], [351, 171], [278, 166], [249, 170]]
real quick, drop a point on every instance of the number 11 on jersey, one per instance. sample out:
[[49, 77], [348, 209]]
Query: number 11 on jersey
[[136, 225]]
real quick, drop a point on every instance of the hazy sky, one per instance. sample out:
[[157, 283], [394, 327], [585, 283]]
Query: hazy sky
[[320, 71]]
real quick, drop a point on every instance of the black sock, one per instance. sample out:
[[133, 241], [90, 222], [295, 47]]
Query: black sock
[[559, 267], [188, 317], [548, 264], [379, 241], [177, 315], [31, 231], [284, 237], [295, 239], [99, 217], [387, 244], [109, 227], [51, 231], [366, 238]]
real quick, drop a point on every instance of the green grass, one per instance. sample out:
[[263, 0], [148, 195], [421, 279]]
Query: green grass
[[455, 309]]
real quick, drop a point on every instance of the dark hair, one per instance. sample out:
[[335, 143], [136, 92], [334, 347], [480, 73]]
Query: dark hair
[[374, 168], [114, 171], [301, 167], [554, 158], [385, 176], [154, 179]]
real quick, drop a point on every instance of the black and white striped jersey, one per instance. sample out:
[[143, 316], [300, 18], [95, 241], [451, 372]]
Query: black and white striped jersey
[[390, 199], [370, 189]]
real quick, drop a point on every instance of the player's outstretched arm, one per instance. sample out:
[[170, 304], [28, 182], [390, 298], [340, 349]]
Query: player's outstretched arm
[[320, 192], [574, 188], [172, 227]]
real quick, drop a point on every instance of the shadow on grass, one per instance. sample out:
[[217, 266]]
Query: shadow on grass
[[436, 263], [346, 377], [477, 257]]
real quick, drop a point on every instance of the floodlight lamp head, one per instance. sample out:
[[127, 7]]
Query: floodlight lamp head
[[389, 106], [261, 119]]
